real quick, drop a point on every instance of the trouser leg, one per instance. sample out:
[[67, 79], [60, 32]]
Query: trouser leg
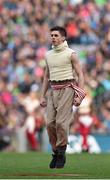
[[51, 129], [64, 116]]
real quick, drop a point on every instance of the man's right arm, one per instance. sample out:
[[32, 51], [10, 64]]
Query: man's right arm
[[44, 87]]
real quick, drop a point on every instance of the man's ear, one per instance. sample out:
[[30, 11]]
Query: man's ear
[[63, 38]]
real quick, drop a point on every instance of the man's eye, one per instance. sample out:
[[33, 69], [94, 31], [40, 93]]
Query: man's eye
[[54, 35]]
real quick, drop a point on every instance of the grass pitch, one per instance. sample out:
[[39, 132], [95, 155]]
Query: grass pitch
[[34, 165]]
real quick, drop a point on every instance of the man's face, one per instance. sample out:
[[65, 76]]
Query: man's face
[[56, 38]]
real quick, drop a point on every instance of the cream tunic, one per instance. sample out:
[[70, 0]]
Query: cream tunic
[[59, 62]]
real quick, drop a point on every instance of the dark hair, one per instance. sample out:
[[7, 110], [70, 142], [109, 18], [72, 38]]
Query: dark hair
[[61, 30]]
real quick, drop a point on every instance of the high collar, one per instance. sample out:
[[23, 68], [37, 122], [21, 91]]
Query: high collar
[[61, 47]]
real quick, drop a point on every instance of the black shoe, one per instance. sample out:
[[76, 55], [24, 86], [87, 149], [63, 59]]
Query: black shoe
[[61, 160], [53, 161]]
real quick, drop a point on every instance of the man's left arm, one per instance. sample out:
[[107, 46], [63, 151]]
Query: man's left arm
[[77, 67]]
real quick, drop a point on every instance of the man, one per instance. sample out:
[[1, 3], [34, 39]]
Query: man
[[61, 62]]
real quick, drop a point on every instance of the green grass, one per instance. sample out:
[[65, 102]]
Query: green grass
[[35, 166]]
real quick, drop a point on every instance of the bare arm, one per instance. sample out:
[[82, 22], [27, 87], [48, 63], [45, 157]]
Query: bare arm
[[78, 70], [44, 87], [45, 82], [76, 65]]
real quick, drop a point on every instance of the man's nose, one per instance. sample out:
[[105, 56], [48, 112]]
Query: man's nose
[[53, 38]]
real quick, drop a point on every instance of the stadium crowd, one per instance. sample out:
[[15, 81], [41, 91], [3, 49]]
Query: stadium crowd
[[24, 40]]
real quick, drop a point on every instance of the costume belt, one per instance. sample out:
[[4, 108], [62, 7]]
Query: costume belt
[[78, 91]]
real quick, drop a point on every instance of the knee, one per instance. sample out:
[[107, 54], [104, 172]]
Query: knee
[[50, 125], [61, 127]]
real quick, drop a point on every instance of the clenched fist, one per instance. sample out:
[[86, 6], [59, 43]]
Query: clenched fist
[[43, 102]]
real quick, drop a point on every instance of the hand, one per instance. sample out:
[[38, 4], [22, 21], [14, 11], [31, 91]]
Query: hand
[[77, 101], [43, 102]]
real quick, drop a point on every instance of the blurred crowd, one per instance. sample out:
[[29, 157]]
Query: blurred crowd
[[24, 40]]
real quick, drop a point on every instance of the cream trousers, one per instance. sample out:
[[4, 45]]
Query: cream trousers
[[59, 115]]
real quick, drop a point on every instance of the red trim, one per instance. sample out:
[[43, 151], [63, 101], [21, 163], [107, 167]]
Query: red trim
[[80, 92]]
